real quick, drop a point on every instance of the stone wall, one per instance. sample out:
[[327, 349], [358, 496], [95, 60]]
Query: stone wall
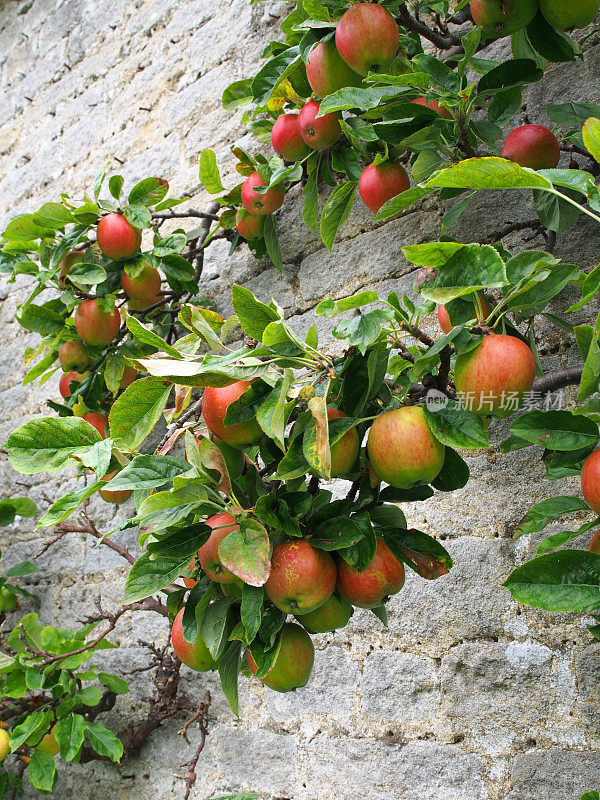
[[466, 696]]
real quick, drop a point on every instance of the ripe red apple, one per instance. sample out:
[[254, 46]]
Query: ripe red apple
[[333, 614], [492, 378], [366, 589], [117, 495], [143, 286], [197, 655], [95, 326], [72, 257], [380, 182], [319, 133], [294, 661], [444, 317], [402, 449], [286, 139], [222, 524], [73, 355], [590, 481], [262, 204], [250, 226], [215, 402], [66, 379], [595, 543], [327, 71], [443, 112], [128, 377], [502, 17], [97, 421], [345, 451], [564, 14], [302, 577], [532, 146], [117, 238], [367, 38]]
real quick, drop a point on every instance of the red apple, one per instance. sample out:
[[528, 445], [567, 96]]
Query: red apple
[[366, 589], [319, 133], [503, 17], [66, 379], [114, 495], [443, 112], [302, 577], [402, 449], [143, 286], [222, 524], [250, 226], [117, 238], [293, 663], [197, 655], [97, 421], [286, 139], [380, 182], [327, 71], [257, 203], [95, 326], [73, 355], [532, 146], [590, 481], [367, 38], [333, 614], [215, 402], [563, 14], [595, 543], [492, 378], [345, 451]]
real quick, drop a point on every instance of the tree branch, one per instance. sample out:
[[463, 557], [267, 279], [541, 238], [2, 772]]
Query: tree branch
[[559, 379]]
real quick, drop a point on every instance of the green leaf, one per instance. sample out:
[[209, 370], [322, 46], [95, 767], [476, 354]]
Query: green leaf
[[147, 472], [455, 426], [36, 724], [229, 669], [246, 552], [336, 534], [53, 215], [146, 336], [137, 410], [590, 378], [219, 620], [45, 444], [148, 192], [42, 771], [337, 210], [310, 210], [21, 569], [568, 580], [208, 172], [591, 136], [271, 415], [401, 202], [238, 93], [488, 173], [542, 514], [65, 505], [113, 683], [272, 242], [513, 72], [89, 696], [69, 732], [251, 609], [561, 538], [441, 75], [149, 576], [549, 42], [454, 473], [104, 742], [331, 308], [471, 267], [253, 315], [556, 430], [274, 71], [572, 114], [356, 97], [138, 215]]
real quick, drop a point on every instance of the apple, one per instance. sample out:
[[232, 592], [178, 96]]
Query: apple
[[128, 377], [590, 481], [444, 317], [492, 378], [293, 663], [367, 38], [402, 449], [532, 146], [333, 614], [143, 286], [380, 182], [302, 577], [73, 355], [502, 17], [234, 458], [97, 421], [48, 743], [327, 71], [382, 577], [215, 402], [222, 524], [8, 599], [117, 495], [4, 744], [319, 133], [72, 257], [197, 655], [286, 139], [96, 326], [595, 543], [262, 204], [443, 112], [117, 238], [564, 14], [345, 451], [250, 226], [66, 379]]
